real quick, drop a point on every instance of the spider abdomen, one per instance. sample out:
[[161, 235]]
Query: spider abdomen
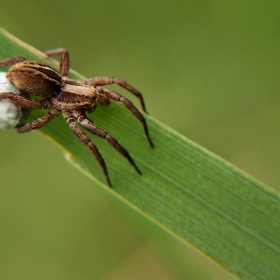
[[35, 78]]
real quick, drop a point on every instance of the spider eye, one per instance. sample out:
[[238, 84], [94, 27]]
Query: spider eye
[[11, 115]]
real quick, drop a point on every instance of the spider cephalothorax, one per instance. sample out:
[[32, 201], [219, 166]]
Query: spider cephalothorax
[[73, 98]]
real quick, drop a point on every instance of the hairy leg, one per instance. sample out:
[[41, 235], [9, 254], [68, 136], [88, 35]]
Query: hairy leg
[[25, 102], [100, 81], [64, 59], [39, 122], [11, 61], [85, 139], [115, 96], [104, 99], [89, 126]]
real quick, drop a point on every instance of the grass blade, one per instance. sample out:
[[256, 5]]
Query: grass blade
[[191, 193]]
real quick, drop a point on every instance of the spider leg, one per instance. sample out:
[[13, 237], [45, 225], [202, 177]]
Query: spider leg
[[85, 139], [11, 61], [104, 100], [115, 96], [64, 59], [25, 102], [89, 126], [39, 122], [100, 81]]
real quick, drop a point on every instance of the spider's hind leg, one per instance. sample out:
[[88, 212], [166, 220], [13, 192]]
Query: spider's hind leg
[[64, 59], [40, 122], [25, 102], [11, 60], [85, 139]]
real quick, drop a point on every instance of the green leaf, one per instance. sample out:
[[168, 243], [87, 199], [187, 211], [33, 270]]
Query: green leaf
[[194, 195]]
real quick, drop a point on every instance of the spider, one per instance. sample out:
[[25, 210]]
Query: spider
[[74, 98]]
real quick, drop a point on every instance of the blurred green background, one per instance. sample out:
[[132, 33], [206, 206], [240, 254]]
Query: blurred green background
[[208, 69]]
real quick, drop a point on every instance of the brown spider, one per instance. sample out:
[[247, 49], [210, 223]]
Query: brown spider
[[73, 98]]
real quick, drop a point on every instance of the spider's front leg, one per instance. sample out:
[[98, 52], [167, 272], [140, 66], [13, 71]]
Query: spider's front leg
[[64, 59], [104, 80], [106, 93]]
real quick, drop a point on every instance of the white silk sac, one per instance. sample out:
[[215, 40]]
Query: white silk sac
[[10, 114]]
